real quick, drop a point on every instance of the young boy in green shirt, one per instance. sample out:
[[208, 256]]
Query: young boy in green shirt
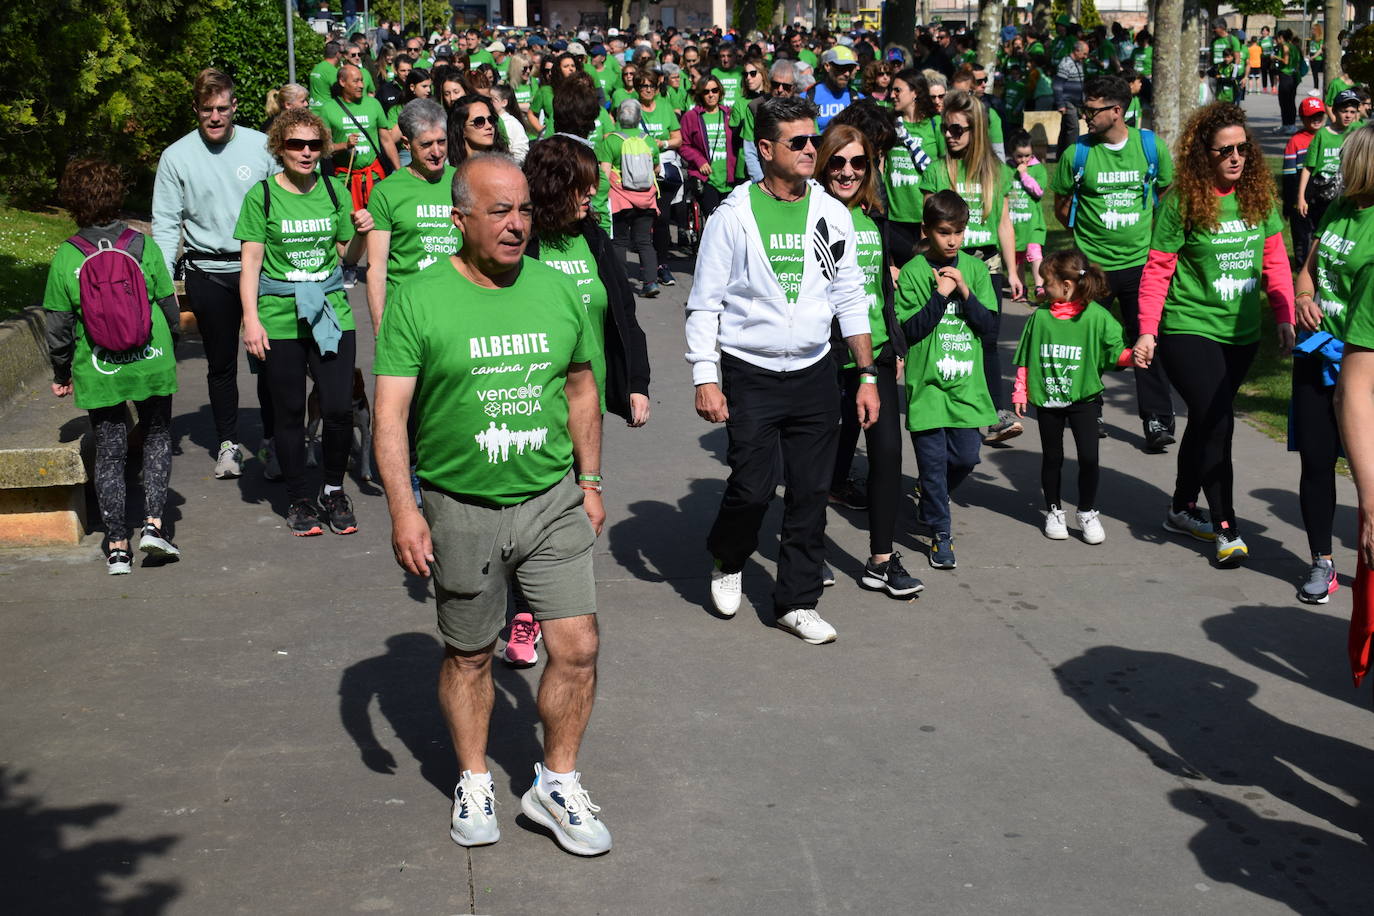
[[945, 304]]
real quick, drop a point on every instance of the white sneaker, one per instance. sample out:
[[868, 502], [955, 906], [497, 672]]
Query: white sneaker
[[725, 591], [568, 812], [1091, 526], [474, 812], [230, 461], [807, 625], [1056, 529]]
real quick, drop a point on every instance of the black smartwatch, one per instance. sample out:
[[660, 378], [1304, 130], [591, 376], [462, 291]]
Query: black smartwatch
[[867, 370]]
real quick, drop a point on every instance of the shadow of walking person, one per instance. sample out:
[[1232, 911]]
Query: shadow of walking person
[[513, 742], [402, 681], [1312, 871], [1211, 729]]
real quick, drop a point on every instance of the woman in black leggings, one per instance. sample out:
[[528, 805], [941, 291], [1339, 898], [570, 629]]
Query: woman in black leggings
[[1217, 237], [295, 227], [848, 168]]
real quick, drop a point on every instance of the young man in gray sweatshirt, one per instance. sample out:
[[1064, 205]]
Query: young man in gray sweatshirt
[[201, 181]]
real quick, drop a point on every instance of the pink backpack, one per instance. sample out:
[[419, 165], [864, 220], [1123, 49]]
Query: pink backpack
[[114, 293]]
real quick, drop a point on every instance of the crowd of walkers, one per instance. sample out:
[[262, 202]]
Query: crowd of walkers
[[863, 220]]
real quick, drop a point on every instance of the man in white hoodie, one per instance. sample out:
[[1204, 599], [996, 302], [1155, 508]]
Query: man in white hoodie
[[777, 265]]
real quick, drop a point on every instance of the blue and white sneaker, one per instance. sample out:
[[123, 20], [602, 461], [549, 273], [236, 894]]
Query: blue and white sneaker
[[568, 812], [474, 812]]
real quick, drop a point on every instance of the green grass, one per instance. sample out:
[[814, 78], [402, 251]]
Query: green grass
[[27, 242], [1263, 399]]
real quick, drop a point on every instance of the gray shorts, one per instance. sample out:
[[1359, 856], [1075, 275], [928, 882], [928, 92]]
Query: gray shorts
[[544, 543]]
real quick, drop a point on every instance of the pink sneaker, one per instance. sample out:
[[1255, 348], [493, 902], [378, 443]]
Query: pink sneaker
[[524, 636]]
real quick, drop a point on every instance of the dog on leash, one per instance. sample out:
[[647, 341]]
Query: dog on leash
[[361, 450]]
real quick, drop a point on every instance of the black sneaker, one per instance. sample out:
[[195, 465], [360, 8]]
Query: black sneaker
[[1158, 436], [890, 577], [827, 575], [1101, 428], [339, 510], [303, 519], [665, 276], [850, 495], [942, 552], [156, 544]]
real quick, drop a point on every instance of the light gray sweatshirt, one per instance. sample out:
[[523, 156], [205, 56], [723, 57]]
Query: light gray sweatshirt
[[199, 190]]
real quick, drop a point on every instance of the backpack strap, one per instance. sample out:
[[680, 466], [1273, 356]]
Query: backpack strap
[[83, 245], [1080, 164], [329, 186], [1151, 147], [131, 241], [266, 199]]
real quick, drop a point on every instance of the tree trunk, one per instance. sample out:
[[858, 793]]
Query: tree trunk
[[1194, 31], [1332, 21], [624, 19], [1040, 15], [990, 24], [1168, 74], [899, 26]]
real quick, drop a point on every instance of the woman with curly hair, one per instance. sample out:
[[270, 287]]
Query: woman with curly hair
[[1216, 248]]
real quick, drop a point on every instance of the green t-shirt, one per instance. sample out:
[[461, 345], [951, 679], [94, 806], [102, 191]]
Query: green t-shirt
[[1014, 94], [1144, 58], [945, 386], [1115, 210], [1065, 357], [524, 93], [620, 95], [782, 226], [489, 367], [1134, 113], [869, 249], [662, 121], [807, 56], [1334, 88], [1291, 67], [1324, 153], [982, 227], [1220, 46], [479, 57], [905, 200], [1215, 291], [742, 120], [1345, 272], [1266, 45], [608, 147], [322, 79], [298, 246], [370, 117], [732, 81], [573, 256], [680, 99], [542, 107], [100, 377], [715, 147], [418, 214], [607, 78], [1027, 215]]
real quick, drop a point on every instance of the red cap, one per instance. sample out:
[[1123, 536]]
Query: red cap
[[1311, 106]]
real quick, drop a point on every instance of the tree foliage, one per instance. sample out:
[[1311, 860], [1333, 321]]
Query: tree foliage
[[1260, 7], [1358, 59], [249, 43], [437, 13], [1089, 17]]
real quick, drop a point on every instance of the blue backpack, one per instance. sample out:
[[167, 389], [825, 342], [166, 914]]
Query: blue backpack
[[1080, 163]]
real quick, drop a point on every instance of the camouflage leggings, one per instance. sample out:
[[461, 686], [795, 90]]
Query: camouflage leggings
[[110, 425]]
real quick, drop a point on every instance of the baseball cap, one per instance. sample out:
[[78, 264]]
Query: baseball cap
[[577, 49], [1346, 97], [1008, 32], [841, 56], [559, 45], [598, 50], [1311, 106], [496, 46]]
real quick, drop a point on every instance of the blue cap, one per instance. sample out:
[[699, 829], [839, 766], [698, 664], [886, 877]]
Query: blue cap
[[1009, 32], [559, 45]]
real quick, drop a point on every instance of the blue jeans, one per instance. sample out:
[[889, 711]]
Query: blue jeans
[[944, 457]]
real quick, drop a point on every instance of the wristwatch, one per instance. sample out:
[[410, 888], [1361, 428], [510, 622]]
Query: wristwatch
[[868, 370]]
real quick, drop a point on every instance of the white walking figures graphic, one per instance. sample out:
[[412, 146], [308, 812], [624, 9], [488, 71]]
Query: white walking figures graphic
[[498, 441]]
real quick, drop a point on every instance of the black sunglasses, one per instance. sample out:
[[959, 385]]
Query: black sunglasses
[[798, 143], [711, 90], [785, 87], [955, 130], [751, 73], [296, 144], [1089, 112], [482, 121], [857, 163], [1224, 152]]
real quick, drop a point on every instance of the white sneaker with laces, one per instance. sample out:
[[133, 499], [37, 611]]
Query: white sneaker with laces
[[807, 625], [1056, 529], [474, 812], [1091, 526], [230, 461], [726, 589], [567, 810]]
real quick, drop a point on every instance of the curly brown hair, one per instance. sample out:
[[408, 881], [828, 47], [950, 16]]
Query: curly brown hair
[[559, 171], [92, 190], [1194, 172], [290, 120]]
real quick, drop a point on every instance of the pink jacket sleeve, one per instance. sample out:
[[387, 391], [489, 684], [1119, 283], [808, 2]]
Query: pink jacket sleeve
[[1018, 387], [1154, 286], [1278, 279], [1031, 184]]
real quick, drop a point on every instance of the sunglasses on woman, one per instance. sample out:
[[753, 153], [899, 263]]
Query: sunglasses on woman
[[1224, 152], [711, 90], [296, 144], [955, 130], [482, 121], [856, 163], [751, 73]]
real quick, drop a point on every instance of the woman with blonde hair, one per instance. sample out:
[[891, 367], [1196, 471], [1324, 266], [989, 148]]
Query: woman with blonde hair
[[973, 171], [848, 168], [1334, 290], [1216, 249], [292, 95]]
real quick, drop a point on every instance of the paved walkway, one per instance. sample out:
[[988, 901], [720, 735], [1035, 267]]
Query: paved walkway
[[1052, 728]]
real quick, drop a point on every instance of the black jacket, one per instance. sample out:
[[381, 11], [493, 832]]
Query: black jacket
[[627, 353], [896, 346]]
